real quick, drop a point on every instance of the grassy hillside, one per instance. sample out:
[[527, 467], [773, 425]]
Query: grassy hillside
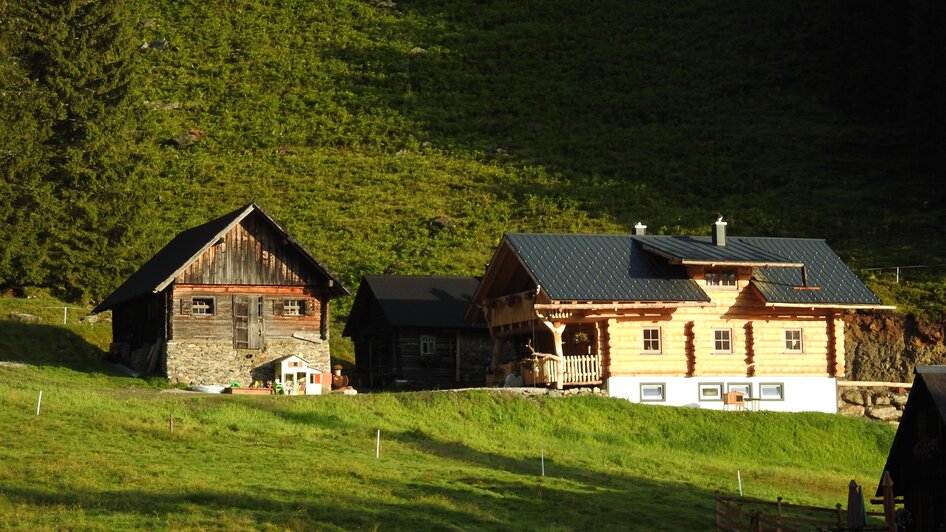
[[100, 456], [356, 122]]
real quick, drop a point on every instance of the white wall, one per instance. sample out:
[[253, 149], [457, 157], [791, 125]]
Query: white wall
[[799, 394]]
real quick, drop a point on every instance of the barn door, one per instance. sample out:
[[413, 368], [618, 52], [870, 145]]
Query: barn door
[[247, 329]]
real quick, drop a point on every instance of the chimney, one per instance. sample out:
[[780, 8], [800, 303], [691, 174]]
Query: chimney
[[719, 232], [640, 229]]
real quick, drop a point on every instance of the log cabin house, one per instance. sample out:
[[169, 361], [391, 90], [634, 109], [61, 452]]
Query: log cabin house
[[675, 320], [409, 330], [222, 301], [917, 458]]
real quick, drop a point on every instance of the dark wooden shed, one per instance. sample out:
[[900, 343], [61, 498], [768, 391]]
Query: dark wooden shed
[[410, 331], [917, 459], [221, 301]]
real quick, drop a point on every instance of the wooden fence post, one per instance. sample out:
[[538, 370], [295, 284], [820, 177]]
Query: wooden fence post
[[717, 510], [778, 515], [890, 510], [838, 508]]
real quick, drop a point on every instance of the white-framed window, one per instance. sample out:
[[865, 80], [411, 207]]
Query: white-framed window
[[722, 340], [793, 340], [293, 307], [720, 277], [652, 340], [428, 345], [653, 391], [202, 306], [711, 392], [742, 387], [771, 391]]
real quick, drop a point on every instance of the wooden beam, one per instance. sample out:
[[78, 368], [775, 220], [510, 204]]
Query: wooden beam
[[558, 306]]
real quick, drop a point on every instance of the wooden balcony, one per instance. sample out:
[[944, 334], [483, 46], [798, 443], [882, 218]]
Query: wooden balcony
[[579, 369]]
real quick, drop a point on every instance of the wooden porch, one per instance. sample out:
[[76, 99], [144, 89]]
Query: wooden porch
[[578, 370]]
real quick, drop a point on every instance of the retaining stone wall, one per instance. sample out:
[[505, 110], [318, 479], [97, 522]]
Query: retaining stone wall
[[877, 403], [217, 362]]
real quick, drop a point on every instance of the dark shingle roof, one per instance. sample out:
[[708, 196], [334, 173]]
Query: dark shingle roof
[[694, 249], [601, 268], [185, 248], [415, 301], [643, 268]]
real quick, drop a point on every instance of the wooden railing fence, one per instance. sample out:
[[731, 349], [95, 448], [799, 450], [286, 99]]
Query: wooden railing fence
[[579, 369], [756, 515]]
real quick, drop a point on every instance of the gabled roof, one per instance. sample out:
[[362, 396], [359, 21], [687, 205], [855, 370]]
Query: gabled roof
[[414, 301], [161, 269], [777, 267], [651, 268], [928, 392], [601, 268]]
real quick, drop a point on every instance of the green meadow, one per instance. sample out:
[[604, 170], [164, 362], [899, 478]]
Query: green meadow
[[101, 455]]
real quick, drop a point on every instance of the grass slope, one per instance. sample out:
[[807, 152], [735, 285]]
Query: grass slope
[[356, 122], [100, 457]]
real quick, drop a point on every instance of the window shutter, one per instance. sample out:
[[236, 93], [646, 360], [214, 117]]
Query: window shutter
[[309, 307], [185, 306], [278, 307]]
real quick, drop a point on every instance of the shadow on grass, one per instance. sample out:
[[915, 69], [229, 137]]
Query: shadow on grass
[[43, 344]]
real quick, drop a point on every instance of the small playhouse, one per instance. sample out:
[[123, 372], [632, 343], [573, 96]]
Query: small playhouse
[[295, 377]]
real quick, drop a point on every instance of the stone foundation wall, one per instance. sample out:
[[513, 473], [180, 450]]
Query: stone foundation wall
[[877, 403], [217, 362]]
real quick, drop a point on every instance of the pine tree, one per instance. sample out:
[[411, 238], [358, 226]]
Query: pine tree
[[79, 56]]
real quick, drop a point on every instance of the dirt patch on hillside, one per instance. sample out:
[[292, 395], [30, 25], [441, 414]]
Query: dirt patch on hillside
[[883, 346]]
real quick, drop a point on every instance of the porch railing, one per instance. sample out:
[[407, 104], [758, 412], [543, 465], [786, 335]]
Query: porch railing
[[579, 369]]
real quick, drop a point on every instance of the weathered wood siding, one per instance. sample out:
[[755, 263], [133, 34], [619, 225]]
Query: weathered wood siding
[[440, 368], [251, 253], [220, 324], [141, 321]]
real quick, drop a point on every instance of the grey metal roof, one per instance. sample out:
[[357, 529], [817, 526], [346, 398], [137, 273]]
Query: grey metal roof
[[601, 268], [184, 248], [837, 284], [432, 301], [701, 249]]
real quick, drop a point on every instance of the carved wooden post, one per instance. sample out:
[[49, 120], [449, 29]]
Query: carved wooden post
[[557, 330]]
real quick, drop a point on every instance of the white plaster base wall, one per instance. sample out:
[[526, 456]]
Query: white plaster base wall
[[799, 394]]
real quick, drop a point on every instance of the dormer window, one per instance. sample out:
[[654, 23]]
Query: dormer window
[[720, 277]]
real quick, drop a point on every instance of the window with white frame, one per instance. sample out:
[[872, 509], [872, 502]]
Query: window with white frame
[[722, 340], [653, 391], [742, 387], [202, 306], [293, 307], [793, 340], [428, 345], [771, 392], [652, 340], [711, 392], [720, 277]]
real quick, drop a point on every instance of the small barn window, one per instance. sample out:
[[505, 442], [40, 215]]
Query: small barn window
[[293, 307], [428, 345], [202, 306], [793, 342], [720, 277], [722, 341], [653, 392], [652, 340]]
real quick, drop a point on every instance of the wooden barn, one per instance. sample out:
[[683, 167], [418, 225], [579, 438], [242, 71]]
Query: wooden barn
[[410, 331], [221, 301], [917, 459], [675, 320]]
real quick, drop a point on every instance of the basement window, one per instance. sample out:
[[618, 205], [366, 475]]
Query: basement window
[[720, 277], [793, 339], [771, 392], [744, 388], [653, 392], [202, 306], [711, 392]]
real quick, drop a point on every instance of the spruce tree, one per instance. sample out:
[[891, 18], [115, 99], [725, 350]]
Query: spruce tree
[[79, 57]]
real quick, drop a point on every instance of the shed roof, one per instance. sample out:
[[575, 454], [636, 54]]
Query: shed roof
[[161, 269], [431, 301]]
